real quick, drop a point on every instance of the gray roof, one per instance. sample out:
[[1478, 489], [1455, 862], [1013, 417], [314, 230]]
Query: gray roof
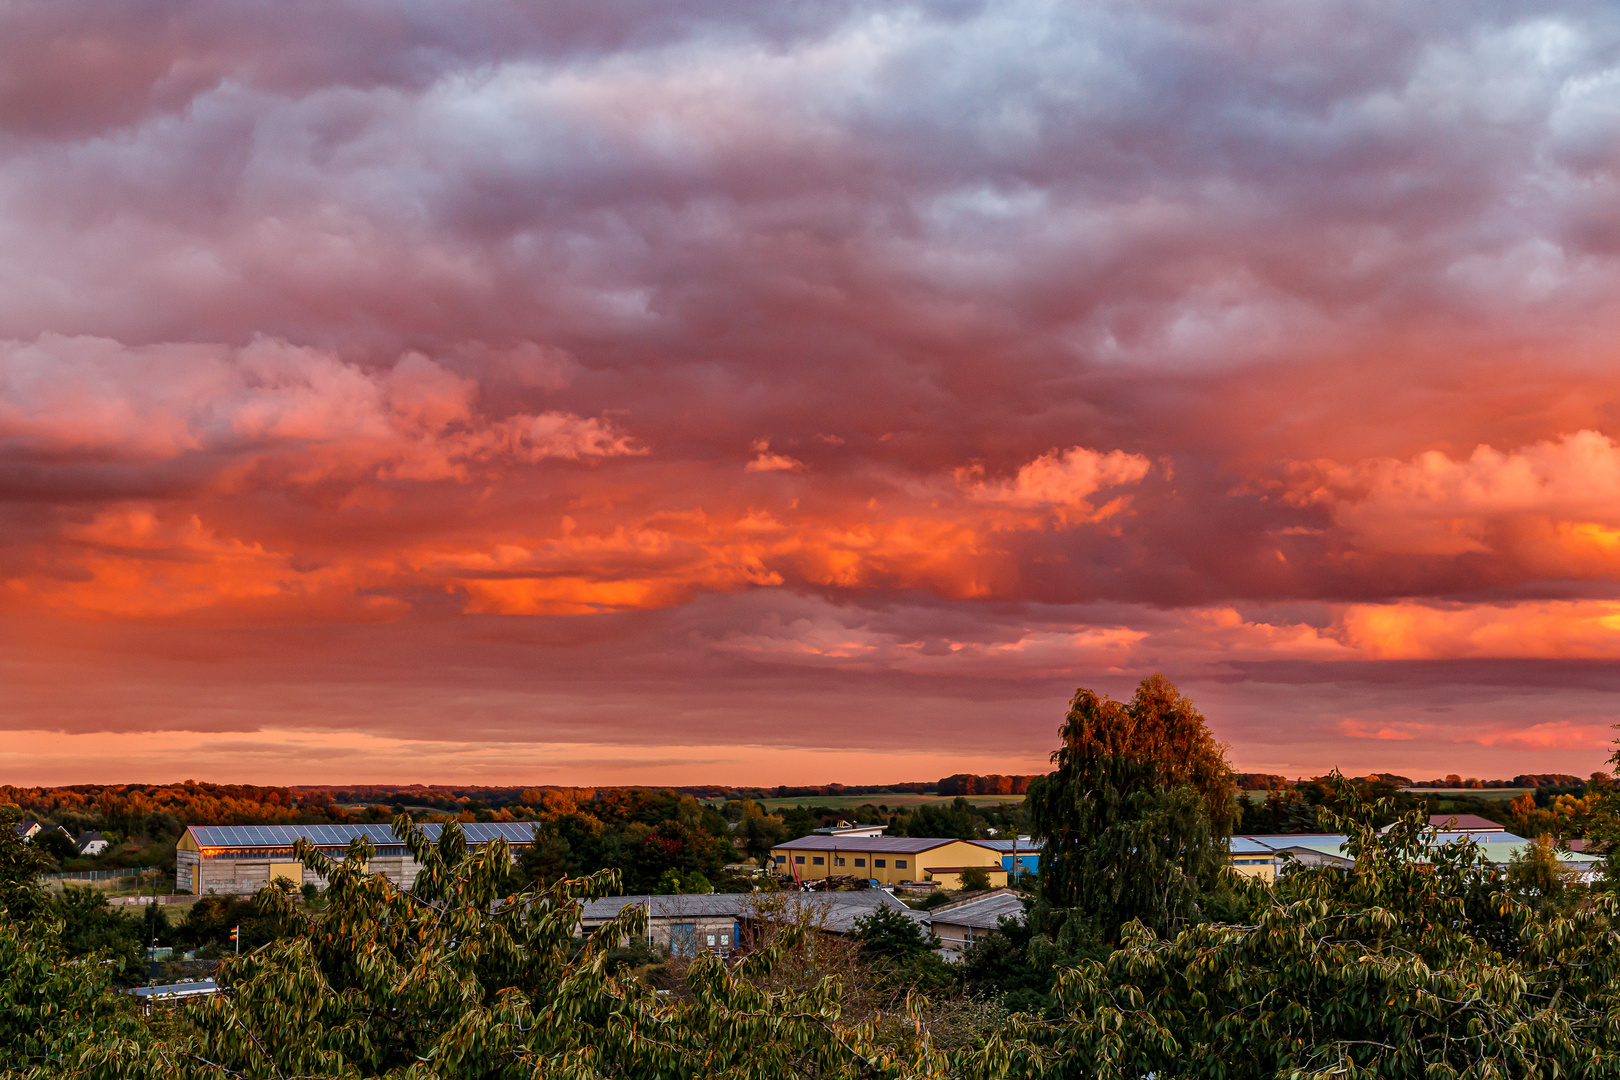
[[1032, 847], [835, 911], [202, 986], [252, 836], [983, 912], [891, 845], [1279, 842]]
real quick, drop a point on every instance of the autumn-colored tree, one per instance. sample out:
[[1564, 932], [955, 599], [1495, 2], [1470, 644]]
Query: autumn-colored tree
[[1136, 814]]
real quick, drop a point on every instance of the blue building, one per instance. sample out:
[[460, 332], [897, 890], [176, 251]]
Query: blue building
[[1028, 855]]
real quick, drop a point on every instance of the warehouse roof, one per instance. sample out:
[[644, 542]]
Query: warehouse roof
[[1464, 823], [892, 845], [255, 836], [981, 912], [1030, 847]]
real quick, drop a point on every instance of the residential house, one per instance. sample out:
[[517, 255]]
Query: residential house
[[91, 843], [26, 830]]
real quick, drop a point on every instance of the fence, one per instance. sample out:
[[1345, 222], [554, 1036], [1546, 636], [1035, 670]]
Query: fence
[[95, 876]]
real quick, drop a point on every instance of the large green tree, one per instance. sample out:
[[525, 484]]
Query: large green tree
[[1422, 961], [1136, 815]]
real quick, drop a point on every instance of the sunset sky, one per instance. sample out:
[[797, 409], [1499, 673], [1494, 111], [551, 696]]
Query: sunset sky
[[785, 392]]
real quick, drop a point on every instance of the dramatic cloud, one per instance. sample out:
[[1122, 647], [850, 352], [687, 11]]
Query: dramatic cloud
[[762, 391]]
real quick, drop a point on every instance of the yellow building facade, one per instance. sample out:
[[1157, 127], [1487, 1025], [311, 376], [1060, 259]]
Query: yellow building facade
[[889, 860]]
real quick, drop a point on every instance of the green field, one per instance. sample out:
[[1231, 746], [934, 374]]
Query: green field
[[888, 798], [1501, 794]]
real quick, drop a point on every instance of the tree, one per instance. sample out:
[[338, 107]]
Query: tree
[[1136, 814], [955, 819], [21, 895], [975, 879], [57, 844], [760, 832], [1538, 876], [91, 926], [1414, 964], [900, 952]]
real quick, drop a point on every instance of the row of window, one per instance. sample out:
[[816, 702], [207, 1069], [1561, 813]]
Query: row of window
[[817, 860]]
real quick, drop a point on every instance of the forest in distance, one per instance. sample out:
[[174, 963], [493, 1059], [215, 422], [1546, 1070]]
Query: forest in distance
[[1138, 951]]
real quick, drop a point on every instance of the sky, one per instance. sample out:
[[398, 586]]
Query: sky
[[773, 392]]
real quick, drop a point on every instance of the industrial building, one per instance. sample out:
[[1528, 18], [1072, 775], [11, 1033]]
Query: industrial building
[[888, 860], [1264, 855], [243, 859], [714, 922], [960, 923], [1020, 856]]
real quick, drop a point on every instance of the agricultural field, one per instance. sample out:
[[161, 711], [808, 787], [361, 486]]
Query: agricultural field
[[1505, 794], [887, 798]]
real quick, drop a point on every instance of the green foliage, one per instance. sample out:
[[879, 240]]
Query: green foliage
[[52, 1005], [89, 925], [21, 895], [1136, 814], [957, 819], [1394, 969], [452, 979], [1540, 879], [901, 953], [975, 879], [1282, 810], [56, 844], [1018, 961], [642, 835], [209, 922], [675, 884]]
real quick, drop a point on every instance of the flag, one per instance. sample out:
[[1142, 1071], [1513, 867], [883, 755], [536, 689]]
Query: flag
[[234, 931]]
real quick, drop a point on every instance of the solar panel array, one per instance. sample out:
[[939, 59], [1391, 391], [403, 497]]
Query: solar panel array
[[256, 836]]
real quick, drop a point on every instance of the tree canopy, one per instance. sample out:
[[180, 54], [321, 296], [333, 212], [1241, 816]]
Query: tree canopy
[[1136, 813]]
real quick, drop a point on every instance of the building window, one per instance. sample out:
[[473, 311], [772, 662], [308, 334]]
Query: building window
[[725, 939], [838, 862], [711, 941], [817, 860], [899, 864], [860, 862], [781, 858], [799, 859], [877, 862]]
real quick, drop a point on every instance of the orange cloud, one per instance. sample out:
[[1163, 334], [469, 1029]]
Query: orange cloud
[[1549, 630], [1563, 492]]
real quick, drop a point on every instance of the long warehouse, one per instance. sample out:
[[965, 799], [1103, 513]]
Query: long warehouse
[[245, 858]]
